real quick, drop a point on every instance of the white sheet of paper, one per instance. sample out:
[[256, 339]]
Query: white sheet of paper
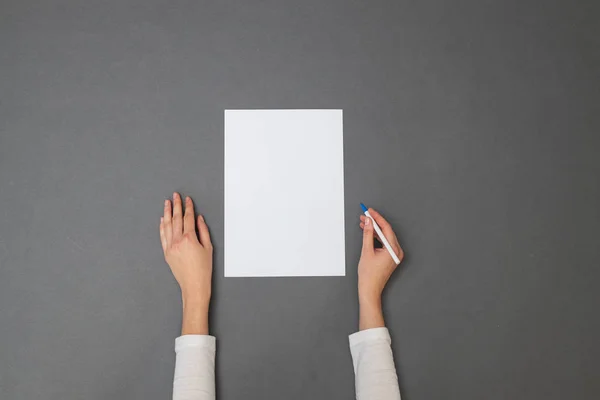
[[284, 193]]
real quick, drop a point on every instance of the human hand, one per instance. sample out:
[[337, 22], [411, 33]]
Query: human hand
[[375, 269], [189, 258]]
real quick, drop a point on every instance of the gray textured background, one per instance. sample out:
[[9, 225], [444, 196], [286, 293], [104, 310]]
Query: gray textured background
[[473, 125]]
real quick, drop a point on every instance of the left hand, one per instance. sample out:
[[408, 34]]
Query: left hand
[[189, 257]]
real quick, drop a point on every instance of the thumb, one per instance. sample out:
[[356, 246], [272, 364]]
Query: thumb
[[368, 236], [204, 234]]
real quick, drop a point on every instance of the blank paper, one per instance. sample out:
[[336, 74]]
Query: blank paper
[[284, 193]]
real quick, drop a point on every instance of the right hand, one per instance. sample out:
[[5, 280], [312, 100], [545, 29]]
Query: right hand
[[376, 264]]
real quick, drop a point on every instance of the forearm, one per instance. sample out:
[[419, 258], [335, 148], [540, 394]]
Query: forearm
[[374, 370], [194, 316], [195, 362], [375, 373], [194, 368], [370, 313]]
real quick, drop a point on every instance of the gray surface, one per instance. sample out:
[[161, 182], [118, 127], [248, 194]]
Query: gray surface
[[473, 125]]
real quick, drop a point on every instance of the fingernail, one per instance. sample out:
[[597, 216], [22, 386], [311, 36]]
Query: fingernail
[[201, 217], [188, 199], [367, 221], [175, 194], [166, 202], [161, 220]]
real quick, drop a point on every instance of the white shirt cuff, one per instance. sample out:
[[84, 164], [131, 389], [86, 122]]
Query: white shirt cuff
[[369, 336], [202, 341]]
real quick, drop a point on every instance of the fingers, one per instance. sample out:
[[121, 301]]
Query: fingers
[[188, 218], [174, 223], [167, 223], [362, 226], [163, 238], [368, 246], [177, 217], [375, 234], [385, 226], [204, 234], [387, 230]]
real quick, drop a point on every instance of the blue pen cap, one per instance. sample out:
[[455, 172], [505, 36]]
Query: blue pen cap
[[363, 207]]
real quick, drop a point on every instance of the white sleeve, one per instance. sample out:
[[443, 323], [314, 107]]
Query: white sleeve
[[194, 368], [374, 370]]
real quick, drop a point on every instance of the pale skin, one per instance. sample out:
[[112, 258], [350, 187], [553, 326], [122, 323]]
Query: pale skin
[[375, 268], [189, 255]]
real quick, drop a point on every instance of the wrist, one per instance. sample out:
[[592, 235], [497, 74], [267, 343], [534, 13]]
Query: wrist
[[195, 298], [194, 304], [369, 298], [194, 318], [195, 313], [370, 313]]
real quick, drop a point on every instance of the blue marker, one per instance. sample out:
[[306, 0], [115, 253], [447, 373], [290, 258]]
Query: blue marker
[[385, 242]]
